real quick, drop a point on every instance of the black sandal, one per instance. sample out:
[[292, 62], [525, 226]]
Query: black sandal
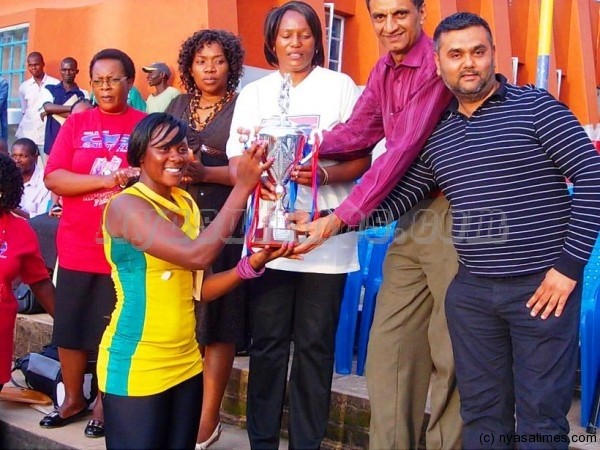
[[94, 429], [55, 420]]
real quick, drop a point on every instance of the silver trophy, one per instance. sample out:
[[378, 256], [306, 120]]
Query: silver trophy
[[284, 144]]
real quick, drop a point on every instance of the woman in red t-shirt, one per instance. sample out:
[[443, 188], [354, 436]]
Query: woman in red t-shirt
[[19, 257], [86, 167]]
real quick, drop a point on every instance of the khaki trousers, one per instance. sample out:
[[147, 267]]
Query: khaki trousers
[[409, 345]]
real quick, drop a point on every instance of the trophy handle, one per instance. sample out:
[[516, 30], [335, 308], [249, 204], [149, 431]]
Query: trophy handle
[[300, 149], [314, 169]]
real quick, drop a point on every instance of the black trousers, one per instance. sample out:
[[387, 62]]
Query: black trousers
[[508, 362], [305, 307], [168, 420]]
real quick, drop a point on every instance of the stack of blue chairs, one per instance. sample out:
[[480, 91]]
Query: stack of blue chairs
[[361, 285], [589, 334]]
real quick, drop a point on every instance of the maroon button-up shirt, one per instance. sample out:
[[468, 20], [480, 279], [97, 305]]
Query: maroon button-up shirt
[[402, 103]]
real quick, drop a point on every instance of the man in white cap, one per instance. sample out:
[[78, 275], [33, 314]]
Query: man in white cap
[[158, 77]]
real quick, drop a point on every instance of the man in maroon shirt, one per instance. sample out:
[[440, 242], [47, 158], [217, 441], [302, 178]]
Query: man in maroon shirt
[[409, 344]]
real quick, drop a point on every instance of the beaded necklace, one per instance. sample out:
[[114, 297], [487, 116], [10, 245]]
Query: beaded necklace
[[195, 122]]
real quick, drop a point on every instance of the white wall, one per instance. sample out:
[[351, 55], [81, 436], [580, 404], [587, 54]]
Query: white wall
[[252, 73]]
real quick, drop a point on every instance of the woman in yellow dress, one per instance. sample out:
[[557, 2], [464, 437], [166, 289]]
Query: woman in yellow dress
[[149, 364]]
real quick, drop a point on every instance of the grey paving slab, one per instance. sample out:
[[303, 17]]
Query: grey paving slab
[[584, 441], [23, 419]]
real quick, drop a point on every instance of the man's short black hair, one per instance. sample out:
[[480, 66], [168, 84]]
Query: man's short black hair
[[460, 21], [69, 59], [27, 143], [113, 53], [37, 55], [271, 28], [418, 4]]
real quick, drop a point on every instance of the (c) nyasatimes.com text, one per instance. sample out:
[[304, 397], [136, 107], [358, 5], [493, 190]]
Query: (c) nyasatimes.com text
[[491, 438]]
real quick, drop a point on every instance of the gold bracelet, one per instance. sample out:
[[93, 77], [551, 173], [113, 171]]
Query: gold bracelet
[[325, 176]]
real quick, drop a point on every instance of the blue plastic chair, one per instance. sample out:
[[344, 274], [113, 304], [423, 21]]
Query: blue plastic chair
[[589, 333], [344, 338], [364, 283], [374, 279]]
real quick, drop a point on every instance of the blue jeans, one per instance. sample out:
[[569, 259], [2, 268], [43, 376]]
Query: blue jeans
[[508, 361]]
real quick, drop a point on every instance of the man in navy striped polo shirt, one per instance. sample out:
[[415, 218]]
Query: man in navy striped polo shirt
[[500, 155]]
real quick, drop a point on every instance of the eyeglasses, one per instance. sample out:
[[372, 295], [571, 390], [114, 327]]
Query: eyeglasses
[[110, 81]]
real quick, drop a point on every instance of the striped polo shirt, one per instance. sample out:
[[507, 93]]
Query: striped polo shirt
[[503, 171]]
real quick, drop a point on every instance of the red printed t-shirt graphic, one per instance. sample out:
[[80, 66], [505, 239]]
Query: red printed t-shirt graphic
[[83, 140]]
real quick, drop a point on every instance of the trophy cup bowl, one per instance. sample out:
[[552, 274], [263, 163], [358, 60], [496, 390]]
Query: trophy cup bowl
[[284, 144]]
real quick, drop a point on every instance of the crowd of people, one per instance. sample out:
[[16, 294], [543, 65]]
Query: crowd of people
[[479, 306]]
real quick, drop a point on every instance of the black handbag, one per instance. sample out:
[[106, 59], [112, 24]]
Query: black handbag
[[26, 301], [42, 373]]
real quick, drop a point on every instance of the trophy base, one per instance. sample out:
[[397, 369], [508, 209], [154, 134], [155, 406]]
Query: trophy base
[[273, 237]]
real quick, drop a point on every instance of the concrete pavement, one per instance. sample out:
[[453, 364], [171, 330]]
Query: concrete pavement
[[19, 430]]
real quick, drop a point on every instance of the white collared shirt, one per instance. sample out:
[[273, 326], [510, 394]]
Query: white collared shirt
[[36, 196], [32, 126]]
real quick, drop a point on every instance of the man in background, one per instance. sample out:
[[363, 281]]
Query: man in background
[[55, 102], [36, 196], [158, 78], [32, 126]]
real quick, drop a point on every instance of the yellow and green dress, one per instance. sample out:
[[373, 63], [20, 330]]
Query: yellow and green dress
[[149, 345]]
